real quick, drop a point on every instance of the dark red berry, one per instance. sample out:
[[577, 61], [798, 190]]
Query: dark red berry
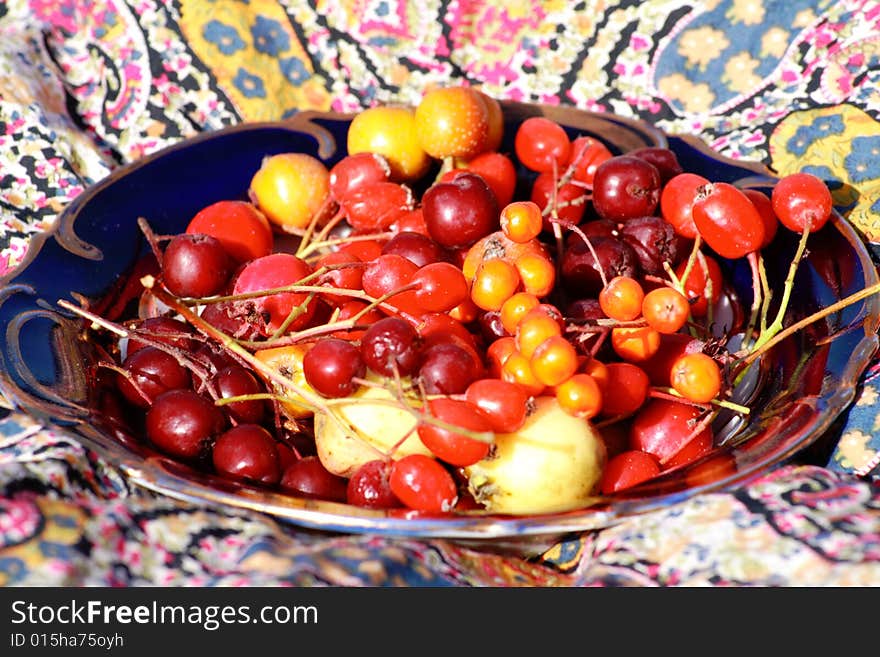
[[247, 452]]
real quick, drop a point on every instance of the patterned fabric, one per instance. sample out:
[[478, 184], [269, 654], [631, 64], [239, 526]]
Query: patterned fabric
[[88, 85]]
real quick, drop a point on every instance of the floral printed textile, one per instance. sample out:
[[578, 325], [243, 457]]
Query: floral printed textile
[[89, 85]]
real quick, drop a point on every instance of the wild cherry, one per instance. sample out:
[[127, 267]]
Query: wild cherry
[[369, 486], [391, 345], [626, 187], [195, 265], [307, 477], [152, 371], [461, 211], [247, 452], [331, 366], [183, 424]]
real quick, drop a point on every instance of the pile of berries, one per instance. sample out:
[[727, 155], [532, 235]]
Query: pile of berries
[[462, 281]]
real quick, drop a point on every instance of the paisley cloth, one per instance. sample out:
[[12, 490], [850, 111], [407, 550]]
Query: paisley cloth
[[89, 85]]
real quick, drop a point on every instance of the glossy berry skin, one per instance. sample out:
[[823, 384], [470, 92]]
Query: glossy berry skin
[[677, 202], [727, 220], [499, 172], [331, 365], [663, 427], [581, 271], [420, 249], [292, 190], [696, 377], [664, 159], [695, 449], [182, 424], [764, 206], [801, 201], [154, 371], [542, 145], [423, 484], [195, 265], [625, 187], [441, 287], [413, 221], [655, 242], [244, 231], [461, 211], [447, 369], [440, 327], [236, 381], [569, 200], [355, 170], [452, 122], [665, 309], [450, 446], [387, 274], [625, 390], [307, 477], [704, 284], [537, 273], [344, 271], [628, 469], [505, 404], [270, 272], [621, 298], [247, 452], [587, 154], [390, 132], [369, 486], [391, 345], [375, 206]]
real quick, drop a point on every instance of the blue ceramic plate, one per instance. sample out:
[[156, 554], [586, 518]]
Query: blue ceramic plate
[[804, 384]]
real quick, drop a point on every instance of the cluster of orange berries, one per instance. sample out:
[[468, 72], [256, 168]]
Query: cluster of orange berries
[[511, 272]]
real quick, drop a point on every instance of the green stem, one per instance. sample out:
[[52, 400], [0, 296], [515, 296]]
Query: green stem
[[777, 325]]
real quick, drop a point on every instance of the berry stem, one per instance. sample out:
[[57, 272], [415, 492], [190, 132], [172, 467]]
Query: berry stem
[[312, 227], [758, 350], [672, 394], [771, 331], [757, 295]]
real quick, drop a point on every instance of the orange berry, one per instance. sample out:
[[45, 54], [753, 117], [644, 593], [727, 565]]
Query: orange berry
[[521, 221], [635, 344], [497, 245], [517, 369], [597, 370], [495, 282], [537, 273], [621, 298], [554, 360], [665, 309], [548, 310], [580, 395], [497, 353], [515, 308], [696, 377], [533, 329]]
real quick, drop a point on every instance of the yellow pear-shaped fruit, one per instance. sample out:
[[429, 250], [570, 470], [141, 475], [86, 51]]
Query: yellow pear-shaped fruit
[[553, 463], [370, 425]]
